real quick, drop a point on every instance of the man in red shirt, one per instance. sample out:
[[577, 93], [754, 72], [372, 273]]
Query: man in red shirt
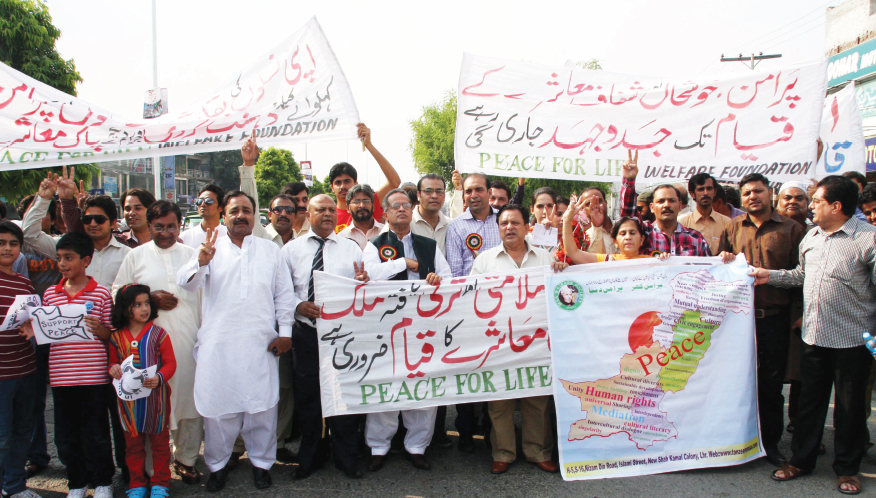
[[343, 176]]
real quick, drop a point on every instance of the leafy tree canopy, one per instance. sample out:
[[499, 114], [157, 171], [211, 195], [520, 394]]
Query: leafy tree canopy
[[274, 169]]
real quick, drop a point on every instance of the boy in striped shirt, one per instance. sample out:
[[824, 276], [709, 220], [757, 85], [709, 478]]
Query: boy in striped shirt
[[18, 380], [78, 374]]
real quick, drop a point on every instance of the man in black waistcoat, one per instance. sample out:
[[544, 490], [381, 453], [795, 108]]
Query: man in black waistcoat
[[398, 254]]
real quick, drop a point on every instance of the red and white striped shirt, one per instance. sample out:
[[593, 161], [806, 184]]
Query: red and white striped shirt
[[17, 357], [80, 363]]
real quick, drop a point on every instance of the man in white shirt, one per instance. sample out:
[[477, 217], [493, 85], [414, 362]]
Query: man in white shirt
[[428, 220], [281, 211], [399, 254], [246, 291], [156, 263], [319, 249], [513, 253], [360, 202]]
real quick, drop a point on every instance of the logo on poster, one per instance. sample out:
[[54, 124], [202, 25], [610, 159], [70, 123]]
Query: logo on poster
[[568, 295]]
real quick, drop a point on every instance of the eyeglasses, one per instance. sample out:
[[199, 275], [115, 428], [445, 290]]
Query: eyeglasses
[[364, 202], [399, 205], [163, 229], [206, 200], [97, 218], [283, 209], [429, 191]]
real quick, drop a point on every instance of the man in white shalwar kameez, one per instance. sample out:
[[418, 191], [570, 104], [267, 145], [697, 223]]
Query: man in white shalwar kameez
[[247, 289], [156, 264]]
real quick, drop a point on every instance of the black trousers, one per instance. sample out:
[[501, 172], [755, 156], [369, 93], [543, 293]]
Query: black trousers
[[116, 425], [82, 435], [772, 360], [846, 371], [343, 429]]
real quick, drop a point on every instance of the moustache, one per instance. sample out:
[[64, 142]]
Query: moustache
[[282, 218], [667, 211], [302, 209], [241, 222]]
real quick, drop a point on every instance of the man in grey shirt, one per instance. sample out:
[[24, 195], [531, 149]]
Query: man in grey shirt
[[837, 273]]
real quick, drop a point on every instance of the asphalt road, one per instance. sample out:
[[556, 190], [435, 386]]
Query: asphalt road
[[458, 474]]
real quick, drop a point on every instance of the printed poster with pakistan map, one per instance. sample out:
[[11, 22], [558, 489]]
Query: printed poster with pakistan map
[[654, 366]]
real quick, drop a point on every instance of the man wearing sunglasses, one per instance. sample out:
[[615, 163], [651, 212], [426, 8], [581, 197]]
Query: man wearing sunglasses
[[209, 204], [282, 212], [360, 202]]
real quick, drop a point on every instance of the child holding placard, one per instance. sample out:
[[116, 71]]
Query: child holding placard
[[77, 374], [146, 417]]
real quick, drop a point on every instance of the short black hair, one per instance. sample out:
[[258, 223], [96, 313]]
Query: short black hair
[[23, 204], [125, 298], [78, 242], [617, 226], [753, 177], [9, 227], [841, 189], [343, 169], [476, 175], [700, 179], [588, 189], [856, 176], [665, 185], [294, 188], [720, 193], [105, 203], [867, 195], [563, 200], [544, 190], [288, 197], [732, 196], [513, 207], [2, 210], [499, 184], [216, 189], [386, 203], [431, 176], [146, 198], [239, 193], [160, 209]]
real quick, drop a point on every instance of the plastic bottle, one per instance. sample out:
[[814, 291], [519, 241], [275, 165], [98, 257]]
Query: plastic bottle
[[870, 342]]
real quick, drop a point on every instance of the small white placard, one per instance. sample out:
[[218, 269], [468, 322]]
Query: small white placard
[[544, 236]]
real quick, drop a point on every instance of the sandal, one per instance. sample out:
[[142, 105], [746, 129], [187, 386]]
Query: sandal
[[789, 472], [852, 480], [188, 475]]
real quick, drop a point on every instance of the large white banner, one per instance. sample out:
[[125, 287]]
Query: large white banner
[[523, 119], [297, 92], [655, 366], [397, 345], [842, 131]]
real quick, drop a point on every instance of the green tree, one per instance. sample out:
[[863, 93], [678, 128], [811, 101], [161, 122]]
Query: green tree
[[224, 164], [274, 168], [27, 44], [432, 150], [321, 187]]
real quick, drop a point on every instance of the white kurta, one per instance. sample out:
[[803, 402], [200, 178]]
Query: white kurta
[[150, 265], [195, 236], [246, 290]]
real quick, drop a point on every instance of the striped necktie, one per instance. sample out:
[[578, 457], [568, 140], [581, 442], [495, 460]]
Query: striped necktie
[[317, 266]]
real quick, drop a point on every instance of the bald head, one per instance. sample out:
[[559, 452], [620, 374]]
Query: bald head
[[323, 215]]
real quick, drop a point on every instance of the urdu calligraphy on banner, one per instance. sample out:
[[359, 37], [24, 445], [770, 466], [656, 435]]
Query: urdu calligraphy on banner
[[297, 92], [398, 345], [524, 119], [842, 131]]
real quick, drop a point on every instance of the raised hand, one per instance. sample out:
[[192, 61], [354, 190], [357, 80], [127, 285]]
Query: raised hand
[[456, 180], [631, 167], [81, 196], [250, 151], [48, 186], [549, 216], [575, 206], [208, 248], [67, 185], [364, 134], [361, 274]]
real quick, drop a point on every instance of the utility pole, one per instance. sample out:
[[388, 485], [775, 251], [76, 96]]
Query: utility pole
[[751, 61]]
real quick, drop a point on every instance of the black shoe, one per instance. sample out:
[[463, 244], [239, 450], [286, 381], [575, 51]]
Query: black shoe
[[466, 443], [775, 457], [354, 472], [217, 480], [377, 462], [285, 455], [33, 468], [440, 439], [419, 461], [233, 462], [261, 478], [304, 473]]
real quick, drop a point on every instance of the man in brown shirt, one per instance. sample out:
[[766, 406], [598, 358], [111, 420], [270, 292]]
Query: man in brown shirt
[[771, 241]]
